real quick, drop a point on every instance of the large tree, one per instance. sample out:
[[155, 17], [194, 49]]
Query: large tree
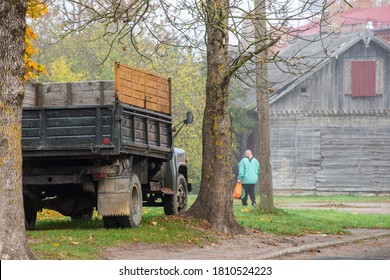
[[214, 202], [13, 242], [263, 122]]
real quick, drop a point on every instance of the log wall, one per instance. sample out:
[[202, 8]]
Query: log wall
[[325, 152]]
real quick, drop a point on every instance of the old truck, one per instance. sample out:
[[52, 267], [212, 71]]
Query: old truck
[[104, 145]]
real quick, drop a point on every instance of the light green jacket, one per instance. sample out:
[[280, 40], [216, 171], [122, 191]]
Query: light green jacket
[[248, 171]]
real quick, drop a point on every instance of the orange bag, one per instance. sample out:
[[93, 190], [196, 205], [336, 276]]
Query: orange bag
[[237, 191]]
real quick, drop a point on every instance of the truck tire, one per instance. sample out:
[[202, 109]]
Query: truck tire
[[175, 204], [30, 218], [110, 222], [135, 215], [30, 213], [85, 214], [133, 219]]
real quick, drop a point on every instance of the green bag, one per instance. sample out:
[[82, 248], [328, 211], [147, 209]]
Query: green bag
[[242, 193]]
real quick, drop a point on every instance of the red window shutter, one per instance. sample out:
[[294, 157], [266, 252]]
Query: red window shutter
[[363, 78]]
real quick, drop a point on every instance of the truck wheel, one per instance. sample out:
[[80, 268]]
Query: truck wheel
[[110, 222], [135, 214], [30, 213], [85, 214], [174, 204], [29, 219]]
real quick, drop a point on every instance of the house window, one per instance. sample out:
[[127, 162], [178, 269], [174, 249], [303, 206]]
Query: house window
[[363, 75], [363, 78]]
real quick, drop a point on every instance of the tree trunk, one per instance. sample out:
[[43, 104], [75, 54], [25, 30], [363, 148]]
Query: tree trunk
[[263, 108], [13, 241], [266, 185], [215, 200]]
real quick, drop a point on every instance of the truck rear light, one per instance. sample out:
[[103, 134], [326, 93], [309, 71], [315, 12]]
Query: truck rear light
[[106, 141], [99, 175]]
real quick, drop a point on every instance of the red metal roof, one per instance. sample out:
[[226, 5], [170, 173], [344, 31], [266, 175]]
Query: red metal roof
[[379, 16]]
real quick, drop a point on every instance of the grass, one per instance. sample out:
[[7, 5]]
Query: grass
[[300, 222], [304, 221], [57, 237], [330, 199], [61, 238]]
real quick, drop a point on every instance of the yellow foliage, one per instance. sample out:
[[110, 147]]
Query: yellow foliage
[[35, 9], [50, 215], [61, 71]]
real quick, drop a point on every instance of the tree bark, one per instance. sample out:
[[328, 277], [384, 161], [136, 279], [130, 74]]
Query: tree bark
[[13, 241], [215, 200], [263, 108], [264, 143]]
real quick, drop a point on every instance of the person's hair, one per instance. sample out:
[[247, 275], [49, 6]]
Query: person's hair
[[248, 153]]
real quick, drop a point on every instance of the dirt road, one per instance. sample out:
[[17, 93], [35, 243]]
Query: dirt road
[[369, 249]]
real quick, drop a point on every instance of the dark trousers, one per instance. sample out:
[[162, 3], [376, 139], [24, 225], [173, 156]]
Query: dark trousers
[[249, 190]]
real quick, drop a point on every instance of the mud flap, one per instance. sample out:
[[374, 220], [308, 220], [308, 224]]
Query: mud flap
[[114, 196]]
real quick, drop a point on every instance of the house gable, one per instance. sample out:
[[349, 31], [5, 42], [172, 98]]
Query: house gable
[[330, 86]]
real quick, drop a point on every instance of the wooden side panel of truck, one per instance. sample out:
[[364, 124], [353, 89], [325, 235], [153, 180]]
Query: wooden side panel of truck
[[131, 86]]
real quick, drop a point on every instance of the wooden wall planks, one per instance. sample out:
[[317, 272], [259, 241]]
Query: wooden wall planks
[[331, 153]]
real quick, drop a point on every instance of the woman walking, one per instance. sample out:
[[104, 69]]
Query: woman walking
[[248, 175]]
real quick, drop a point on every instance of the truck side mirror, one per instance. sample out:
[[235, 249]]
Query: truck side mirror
[[190, 118]]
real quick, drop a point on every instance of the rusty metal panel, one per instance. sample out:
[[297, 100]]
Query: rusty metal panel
[[363, 78], [142, 89]]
